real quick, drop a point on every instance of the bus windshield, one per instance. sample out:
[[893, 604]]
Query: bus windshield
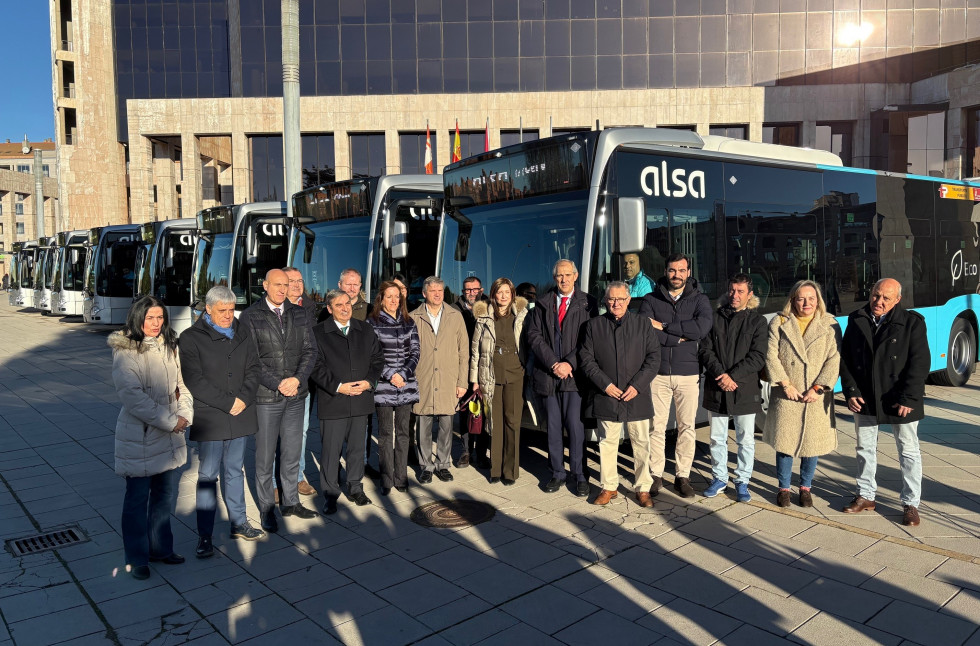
[[41, 267], [262, 245], [28, 257], [115, 264], [324, 249], [212, 264], [174, 259], [520, 240], [54, 262], [74, 268]]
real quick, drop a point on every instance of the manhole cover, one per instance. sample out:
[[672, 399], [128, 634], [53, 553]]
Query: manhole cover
[[453, 513], [45, 542]]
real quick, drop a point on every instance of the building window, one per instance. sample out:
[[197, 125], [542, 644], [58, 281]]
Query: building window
[[46, 170], [367, 155], [318, 160], [4, 166], [733, 132], [836, 137], [909, 141], [268, 168], [20, 228], [411, 150], [971, 154], [511, 137], [784, 134], [18, 204], [23, 168], [470, 142]]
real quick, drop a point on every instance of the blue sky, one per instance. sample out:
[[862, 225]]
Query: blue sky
[[26, 105]]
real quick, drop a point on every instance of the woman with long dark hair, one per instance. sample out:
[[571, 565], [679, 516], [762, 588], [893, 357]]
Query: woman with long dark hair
[[497, 374], [150, 447], [397, 389]]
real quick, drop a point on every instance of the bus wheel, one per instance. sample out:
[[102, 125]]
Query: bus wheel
[[960, 357]]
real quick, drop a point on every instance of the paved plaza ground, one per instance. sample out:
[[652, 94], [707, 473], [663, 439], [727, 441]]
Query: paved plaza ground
[[547, 569]]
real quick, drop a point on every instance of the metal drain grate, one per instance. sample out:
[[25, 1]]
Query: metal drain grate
[[45, 542], [453, 513]]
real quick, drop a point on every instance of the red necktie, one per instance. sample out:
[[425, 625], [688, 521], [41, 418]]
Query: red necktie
[[562, 308]]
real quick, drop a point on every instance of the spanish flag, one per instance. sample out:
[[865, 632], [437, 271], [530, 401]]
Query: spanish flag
[[428, 151], [456, 148]]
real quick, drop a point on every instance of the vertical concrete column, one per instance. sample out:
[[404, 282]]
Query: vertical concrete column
[[341, 154], [393, 157], [444, 147], [163, 179], [209, 183], [241, 168], [755, 131], [190, 164], [808, 134], [140, 178], [861, 145]]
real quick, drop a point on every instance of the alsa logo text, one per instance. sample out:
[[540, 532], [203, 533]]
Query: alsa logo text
[[676, 183]]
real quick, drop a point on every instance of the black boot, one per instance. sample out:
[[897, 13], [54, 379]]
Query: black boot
[[205, 517], [204, 548]]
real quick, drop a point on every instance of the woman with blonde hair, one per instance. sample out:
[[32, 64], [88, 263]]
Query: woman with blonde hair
[[497, 374], [803, 360]]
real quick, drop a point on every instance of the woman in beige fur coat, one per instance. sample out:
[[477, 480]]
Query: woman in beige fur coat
[[803, 360]]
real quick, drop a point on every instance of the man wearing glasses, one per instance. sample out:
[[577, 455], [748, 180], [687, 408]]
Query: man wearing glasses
[[472, 292], [620, 355]]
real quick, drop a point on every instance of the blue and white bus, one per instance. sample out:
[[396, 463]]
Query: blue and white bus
[[110, 270], [164, 267], [368, 224], [777, 213]]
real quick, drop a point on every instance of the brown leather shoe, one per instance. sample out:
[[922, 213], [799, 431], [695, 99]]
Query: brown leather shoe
[[806, 500], [604, 497], [858, 505], [683, 487], [783, 498], [643, 499], [464, 461], [305, 488], [911, 516], [655, 487]]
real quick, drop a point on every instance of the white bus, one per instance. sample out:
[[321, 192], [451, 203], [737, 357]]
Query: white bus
[[777, 213], [110, 270], [68, 285], [22, 279], [164, 267], [367, 224], [47, 253], [237, 245]]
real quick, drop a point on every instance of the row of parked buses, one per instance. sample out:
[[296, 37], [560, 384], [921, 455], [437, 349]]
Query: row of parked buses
[[779, 214]]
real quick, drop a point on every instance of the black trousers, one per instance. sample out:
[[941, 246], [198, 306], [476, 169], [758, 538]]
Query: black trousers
[[393, 439], [505, 433], [333, 434]]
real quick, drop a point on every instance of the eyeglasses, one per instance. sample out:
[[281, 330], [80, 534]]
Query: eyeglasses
[[617, 301], [472, 289]]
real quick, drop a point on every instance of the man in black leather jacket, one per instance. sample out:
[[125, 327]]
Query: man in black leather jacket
[[284, 341]]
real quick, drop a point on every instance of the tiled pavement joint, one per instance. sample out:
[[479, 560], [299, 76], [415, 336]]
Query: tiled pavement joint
[[820, 520]]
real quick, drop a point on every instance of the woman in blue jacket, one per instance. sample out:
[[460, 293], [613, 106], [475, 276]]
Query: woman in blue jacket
[[397, 390]]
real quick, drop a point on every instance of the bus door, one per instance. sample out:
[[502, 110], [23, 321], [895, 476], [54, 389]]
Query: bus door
[[263, 245], [409, 242], [176, 267]]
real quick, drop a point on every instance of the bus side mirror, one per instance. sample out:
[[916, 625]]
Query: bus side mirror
[[630, 225], [169, 261], [386, 224], [251, 252], [399, 241]]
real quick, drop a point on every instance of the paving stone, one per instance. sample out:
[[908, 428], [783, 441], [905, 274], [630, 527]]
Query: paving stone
[[751, 636], [284, 561], [828, 629], [842, 600], [833, 565], [704, 588], [709, 556], [480, 627], [717, 530], [900, 557], [526, 553], [340, 605], [500, 583], [913, 589], [152, 603], [688, 623], [558, 568], [227, 593], [383, 572], [57, 627], [837, 540], [771, 612], [350, 553], [421, 594], [519, 634], [965, 605], [603, 628], [259, 617], [628, 598], [419, 545], [586, 579], [642, 564], [773, 522], [549, 609], [920, 625], [300, 632], [769, 575], [39, 602], [306, 583], [387, 626], [454, 612], [457, 562]]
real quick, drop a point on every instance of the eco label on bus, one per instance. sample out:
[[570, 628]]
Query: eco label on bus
[[957, 192]]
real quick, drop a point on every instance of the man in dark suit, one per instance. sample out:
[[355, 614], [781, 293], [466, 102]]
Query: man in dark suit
[[553, 335], [284, 342], [884, 364], [349, 364]]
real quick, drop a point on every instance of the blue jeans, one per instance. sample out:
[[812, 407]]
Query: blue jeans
[[146, 517], [909, 458], [784, 470], [744, 438], [224, 458]]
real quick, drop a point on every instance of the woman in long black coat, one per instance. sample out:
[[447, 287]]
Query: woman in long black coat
[[221, 366]]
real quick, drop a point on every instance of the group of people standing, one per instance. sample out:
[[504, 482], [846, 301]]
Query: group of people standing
[[226, 379]]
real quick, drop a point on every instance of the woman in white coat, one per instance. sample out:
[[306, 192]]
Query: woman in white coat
[[150, 447]]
